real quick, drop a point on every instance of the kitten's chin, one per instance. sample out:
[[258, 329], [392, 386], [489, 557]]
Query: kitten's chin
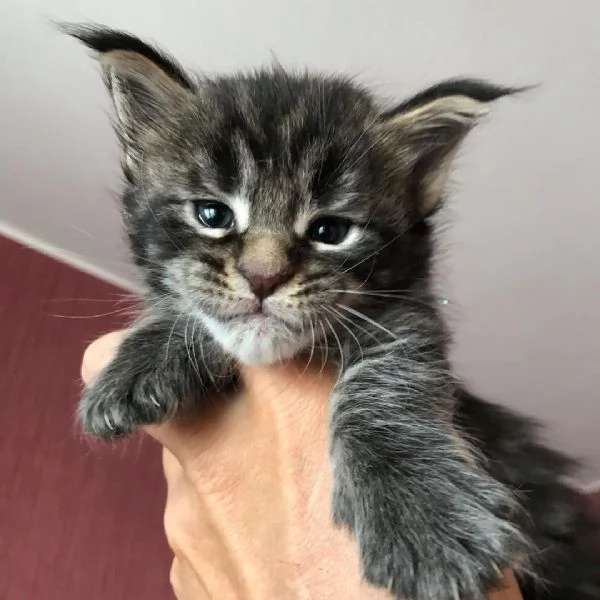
[[257, 340]]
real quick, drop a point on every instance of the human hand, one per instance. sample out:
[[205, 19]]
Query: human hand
[[248, 504]]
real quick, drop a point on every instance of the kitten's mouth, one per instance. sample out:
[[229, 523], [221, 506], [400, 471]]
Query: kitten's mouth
[[258, 312], [261, 334], [255, 309], [254, 316], [264, 314]]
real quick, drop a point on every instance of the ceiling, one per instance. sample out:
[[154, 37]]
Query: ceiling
[[521, 249]]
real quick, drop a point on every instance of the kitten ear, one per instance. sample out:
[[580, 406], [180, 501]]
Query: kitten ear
[[426, 131], [146, 85]]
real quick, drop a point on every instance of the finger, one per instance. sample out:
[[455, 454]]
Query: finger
[[510, 589], [278, 389], [185, 581], [283, 385], [98, 354], [186, 435], [169, 434], [171, 465]]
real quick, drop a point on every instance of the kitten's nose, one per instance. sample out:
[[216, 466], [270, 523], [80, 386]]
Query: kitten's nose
[[264, 262], [262, 285]]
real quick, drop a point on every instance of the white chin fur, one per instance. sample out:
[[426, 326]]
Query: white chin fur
[[257, 340]]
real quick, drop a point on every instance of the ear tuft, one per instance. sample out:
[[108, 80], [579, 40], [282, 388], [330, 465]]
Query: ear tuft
[[426, 130], [477, 90], [149, 89], [104, 41]]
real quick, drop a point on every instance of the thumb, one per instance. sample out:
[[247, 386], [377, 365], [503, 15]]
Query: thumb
[[98, 354]]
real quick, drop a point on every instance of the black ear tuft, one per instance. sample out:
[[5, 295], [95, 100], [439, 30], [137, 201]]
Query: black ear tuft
[[104, 40], [426, 131], [475, 89], [150, 90]]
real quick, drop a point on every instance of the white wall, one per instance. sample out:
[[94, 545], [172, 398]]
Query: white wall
[[522, 255]]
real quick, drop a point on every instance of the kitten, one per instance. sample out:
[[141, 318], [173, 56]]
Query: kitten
[[276, 215]]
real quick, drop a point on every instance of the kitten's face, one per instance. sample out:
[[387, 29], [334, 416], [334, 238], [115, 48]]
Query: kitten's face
[[267, 216], [277, 208]]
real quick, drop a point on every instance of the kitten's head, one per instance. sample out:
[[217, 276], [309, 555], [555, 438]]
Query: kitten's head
[[271, 205]]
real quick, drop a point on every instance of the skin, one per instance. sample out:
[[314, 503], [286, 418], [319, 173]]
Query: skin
[[248, 504]]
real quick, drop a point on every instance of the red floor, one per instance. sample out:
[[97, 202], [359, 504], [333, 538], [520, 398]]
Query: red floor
[[77, 521]]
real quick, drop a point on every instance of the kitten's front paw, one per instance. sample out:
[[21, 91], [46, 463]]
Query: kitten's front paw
[[422, 545], [118, 403]]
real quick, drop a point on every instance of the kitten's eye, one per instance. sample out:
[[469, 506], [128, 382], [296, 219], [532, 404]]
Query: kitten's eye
[[329, 230], [215, 215]]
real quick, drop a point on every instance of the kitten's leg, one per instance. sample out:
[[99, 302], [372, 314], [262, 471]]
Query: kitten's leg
[[430, 522], [156, 370]]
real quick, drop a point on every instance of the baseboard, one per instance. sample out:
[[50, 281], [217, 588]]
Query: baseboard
[[79, 263]]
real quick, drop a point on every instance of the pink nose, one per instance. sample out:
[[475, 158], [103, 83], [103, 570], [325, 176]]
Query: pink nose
[[263, 286]]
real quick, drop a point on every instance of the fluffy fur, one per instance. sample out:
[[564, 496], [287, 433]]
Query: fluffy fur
[[441, 490]]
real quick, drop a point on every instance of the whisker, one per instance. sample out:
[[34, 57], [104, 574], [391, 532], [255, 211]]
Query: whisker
[[326, 347], [185, 342], [336, 316], [114, 301], [312, 347], [368, 275], [171, 335], [368, 222], [349, 320], [117, 311], [390, 295], [196, 366], [374, 253], [339, 343], [361, 315], [208, 370]]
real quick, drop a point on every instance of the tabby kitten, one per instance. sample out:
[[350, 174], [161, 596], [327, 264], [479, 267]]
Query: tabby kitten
[[276, 215]]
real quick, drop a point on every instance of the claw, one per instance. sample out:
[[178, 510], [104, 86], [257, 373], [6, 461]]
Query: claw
[[108, 423], [455, 594]]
